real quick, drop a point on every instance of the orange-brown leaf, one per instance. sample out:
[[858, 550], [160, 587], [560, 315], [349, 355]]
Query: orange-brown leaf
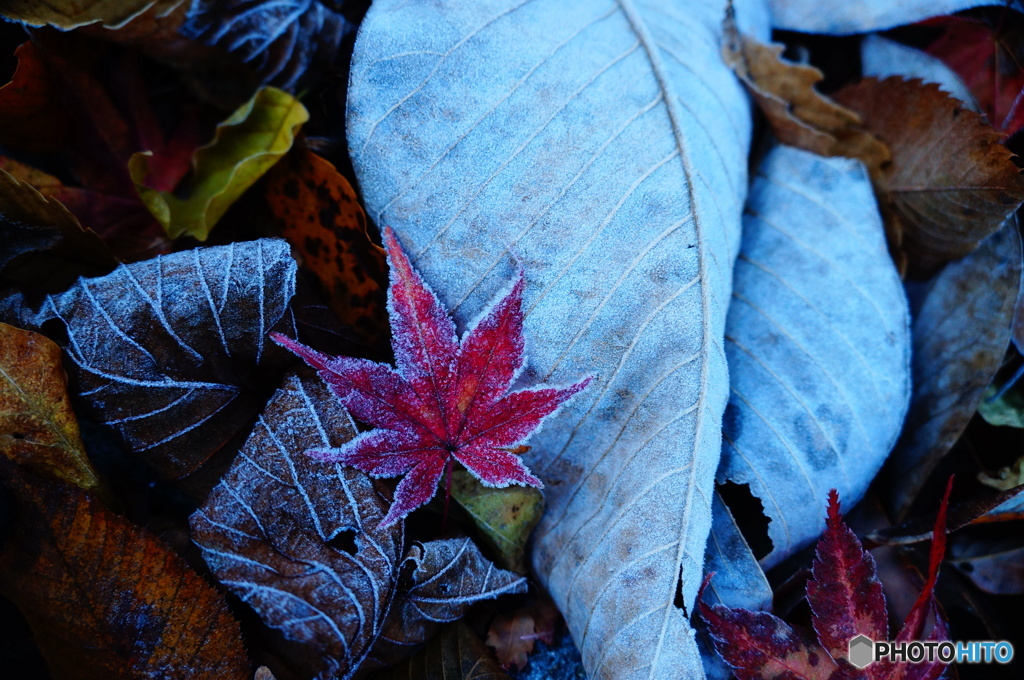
[[38, 429], [106, 599], [318, 212], [32, 117], [951, 183], [512, 635]]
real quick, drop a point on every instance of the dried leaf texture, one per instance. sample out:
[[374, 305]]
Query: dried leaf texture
[[32, 116], [298, 538], [68, 14], [951, 183], [106, 599], [960, 333], [818, 344], [38, 428], [456, 654], [603, 145], [171, 352], [859, 16], [317, 210]]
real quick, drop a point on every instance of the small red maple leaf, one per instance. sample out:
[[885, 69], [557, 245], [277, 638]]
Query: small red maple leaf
[[447, 401], [846, 600]]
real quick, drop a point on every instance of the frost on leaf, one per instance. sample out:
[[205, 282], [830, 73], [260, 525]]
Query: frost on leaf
[[447, 401]]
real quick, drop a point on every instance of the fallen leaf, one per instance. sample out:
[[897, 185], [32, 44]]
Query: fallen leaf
[[32, 117], [68, 14], [449, 399], [505, 518], [445, 578], [455, 654], [318, 211], [1002, 405], [985, 508], [246, 145], [960, 332], [604, 147], [882, 58], [512, 635], [999, 573], [288, 43], [859, 16], [818, 345], [951, 183], [171, 353], [44, 248], [38, 428], [106, 599], [987, 58]]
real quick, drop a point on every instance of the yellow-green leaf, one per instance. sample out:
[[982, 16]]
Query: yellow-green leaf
[[38, 429], [505, 517], [246, 145]]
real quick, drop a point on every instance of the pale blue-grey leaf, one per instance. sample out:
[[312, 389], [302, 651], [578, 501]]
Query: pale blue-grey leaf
[[844, 17], [961, 330], [602, 146], [818, 343], [881, 58]]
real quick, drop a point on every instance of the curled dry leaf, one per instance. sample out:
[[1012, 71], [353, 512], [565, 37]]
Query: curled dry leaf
[[32, 117], [106, 599], [172, 352], [951, 183], [960, 333], [455, 654], [38, 428], [246, 145], [68, 14], [512, 635], [318, 212]]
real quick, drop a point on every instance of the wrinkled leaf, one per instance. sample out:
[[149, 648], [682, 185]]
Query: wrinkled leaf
[[172, 352], [445, 578], [859, 16], [603, 145], [881, 58], [246, 145], [44, 248], [818, 344], [288, 43], [38, 428], [951, 183], [298, 539], [1002, 408], [960, 332], [32, 116], [455, 654], [512, 635], [105, 598], [317, 210], [68, 14], [505, 517]]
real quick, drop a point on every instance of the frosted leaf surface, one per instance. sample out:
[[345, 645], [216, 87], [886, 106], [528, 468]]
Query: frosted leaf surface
[[860, 16]]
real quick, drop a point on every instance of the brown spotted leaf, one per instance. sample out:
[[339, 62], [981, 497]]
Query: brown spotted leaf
[[455, 654], [172, 353], [317, 211], [106, 599], [38, 428], [951, 183]]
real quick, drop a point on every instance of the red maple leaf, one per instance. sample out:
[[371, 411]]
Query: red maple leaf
[[846, 600], [448, 400]]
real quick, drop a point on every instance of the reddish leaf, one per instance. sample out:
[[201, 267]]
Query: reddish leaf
[[32, 117], [448, 401]]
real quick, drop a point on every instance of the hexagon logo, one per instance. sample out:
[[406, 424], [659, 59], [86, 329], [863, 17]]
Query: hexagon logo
[[862, 651]]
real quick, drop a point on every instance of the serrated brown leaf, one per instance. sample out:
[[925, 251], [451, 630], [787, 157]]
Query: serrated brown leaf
[[106, 599], [455, 654], [38, 428], [32, 117], [318, 212], [172, 353], [951, 183]]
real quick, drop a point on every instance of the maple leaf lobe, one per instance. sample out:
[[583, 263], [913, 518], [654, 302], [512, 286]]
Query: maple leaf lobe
[[447, 399]]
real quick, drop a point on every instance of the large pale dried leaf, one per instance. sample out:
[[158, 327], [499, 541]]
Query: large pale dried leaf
[[960, 333], [818, 344], [44, 248], [172, 352], [603, 145], [107, 599], [247, 144], [455, 654], [317, 210], [441, 580], [298, 538], [951, 183], [859, 16], [32, 117], [38, 428]]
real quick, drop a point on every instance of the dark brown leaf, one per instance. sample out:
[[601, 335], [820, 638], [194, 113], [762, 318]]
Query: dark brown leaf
[[512, 635], [172, 352], [106, 599], [32, 117], [455, 654]]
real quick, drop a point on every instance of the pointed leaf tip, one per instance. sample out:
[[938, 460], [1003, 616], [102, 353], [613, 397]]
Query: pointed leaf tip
[[315, 359]]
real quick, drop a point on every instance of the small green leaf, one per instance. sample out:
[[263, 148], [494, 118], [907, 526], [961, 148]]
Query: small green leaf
[[1007, 409], [246, 145], [505, 517]]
